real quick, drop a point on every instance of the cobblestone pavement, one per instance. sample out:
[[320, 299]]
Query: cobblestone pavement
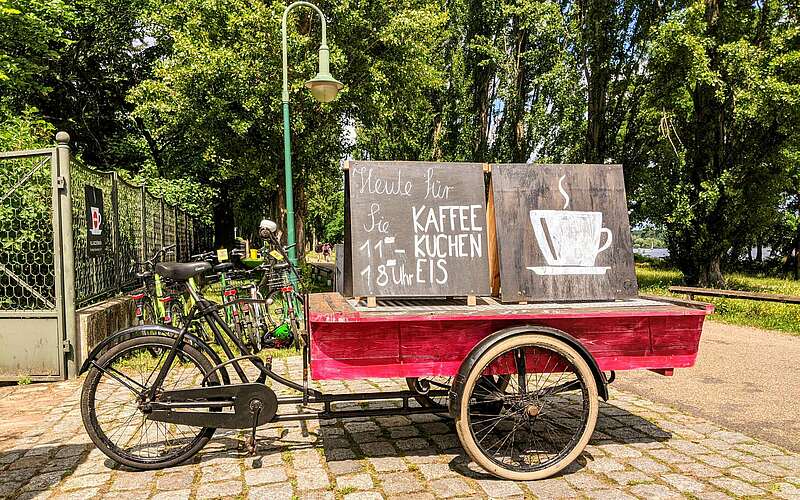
[[640, 449]]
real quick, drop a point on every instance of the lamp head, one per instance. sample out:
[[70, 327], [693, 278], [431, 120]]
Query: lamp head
[[324, 86]]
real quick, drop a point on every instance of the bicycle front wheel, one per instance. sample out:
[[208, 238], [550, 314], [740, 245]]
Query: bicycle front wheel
[[114, 390]]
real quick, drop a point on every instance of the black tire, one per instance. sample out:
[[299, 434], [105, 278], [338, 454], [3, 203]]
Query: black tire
[[553, 415], [98, 418]]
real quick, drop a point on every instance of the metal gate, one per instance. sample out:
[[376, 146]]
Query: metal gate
[[37, 278]]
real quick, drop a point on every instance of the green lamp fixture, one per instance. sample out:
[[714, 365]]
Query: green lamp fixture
[[324, 88]]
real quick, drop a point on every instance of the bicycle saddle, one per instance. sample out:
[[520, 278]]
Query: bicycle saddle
[[181, 271], [224, 266]]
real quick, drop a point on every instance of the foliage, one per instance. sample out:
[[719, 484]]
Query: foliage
[[698, 99]]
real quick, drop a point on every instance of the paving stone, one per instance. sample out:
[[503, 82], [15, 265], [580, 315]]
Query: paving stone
[[620, 451], [655, 492], [604, 465], [88, 481], [172, 495], [625, 478], [225, 489], [28, 462], [419, 495], [435, 470], [221, 472], [551, 489], [791, 462], [318, 495], [388, 464], [748, 475], [355, 427], [735, 486], [363, 495], [712, 495], [412, 444], [340, 467], [683, 483], [339, 454], [450, 487], [393, 421], [81, 494], [609, 495], [786, 490], [403, 432], [648, 465], [698, 470], [378, 449], [306, 459], [312, 479], [400, 482], [43, 481], [275, 474], [585, 482], [759, 450], [274, 492], [716, 461], [357, 482], [769, 469], [499, 488], [175, 480], [670, 456], [435, 428]]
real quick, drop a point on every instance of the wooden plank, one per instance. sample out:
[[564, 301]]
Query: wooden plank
[[491, 237], [735, 294], [417, 229], [394, 348], [563, 232]]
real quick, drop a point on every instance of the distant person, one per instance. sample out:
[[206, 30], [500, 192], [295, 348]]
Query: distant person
[[326, 251]]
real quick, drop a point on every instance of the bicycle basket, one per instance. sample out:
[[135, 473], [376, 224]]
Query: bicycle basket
[[277, 279]]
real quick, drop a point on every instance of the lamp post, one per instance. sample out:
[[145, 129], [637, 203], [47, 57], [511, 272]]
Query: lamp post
[[324, 88]]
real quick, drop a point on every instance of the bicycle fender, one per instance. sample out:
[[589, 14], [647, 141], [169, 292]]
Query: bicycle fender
[[457, 389], [143, 330]]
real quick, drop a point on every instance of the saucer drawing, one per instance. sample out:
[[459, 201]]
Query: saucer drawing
[[567, 270]]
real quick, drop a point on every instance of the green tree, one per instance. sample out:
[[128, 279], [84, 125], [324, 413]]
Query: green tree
[[725, 86]]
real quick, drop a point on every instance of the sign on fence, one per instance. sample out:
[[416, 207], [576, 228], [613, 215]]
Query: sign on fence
[[417, 229], [95, 221], [562, 232]]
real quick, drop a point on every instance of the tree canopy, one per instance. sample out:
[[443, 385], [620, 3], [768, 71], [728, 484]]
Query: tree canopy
[[697, 99]]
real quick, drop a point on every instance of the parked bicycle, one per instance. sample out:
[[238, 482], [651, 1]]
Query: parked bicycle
[[155, 302]]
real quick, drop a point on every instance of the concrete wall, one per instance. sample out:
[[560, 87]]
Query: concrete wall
[[98, 321]]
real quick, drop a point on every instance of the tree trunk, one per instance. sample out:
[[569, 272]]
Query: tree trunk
[[597, 30], [224, 222], [711, 273]]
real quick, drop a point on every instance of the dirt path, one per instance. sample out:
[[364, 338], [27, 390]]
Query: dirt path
[[745, 378]]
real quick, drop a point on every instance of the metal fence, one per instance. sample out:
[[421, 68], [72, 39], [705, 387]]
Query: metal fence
[[47, 269], [136, 224]]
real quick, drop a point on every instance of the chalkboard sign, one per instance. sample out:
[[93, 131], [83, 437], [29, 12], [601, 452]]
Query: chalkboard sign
[[416, 229], [562, 233]]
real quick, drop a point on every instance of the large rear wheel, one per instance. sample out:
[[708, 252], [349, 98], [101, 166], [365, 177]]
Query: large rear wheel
[[541, 420], [112, 397]]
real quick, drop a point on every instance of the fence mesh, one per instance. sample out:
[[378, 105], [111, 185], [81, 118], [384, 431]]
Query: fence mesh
[[94, 275], [129, 201], [27, 270]]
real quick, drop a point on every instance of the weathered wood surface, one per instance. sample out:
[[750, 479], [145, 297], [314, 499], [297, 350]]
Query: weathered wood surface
[[735, 294], [348, 342], [416, 229], [563, 232]]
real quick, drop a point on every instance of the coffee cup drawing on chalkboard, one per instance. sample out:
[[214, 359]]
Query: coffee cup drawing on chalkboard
[[574, 239]]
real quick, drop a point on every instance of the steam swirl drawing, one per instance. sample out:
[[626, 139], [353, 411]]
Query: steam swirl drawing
[[569, 240]]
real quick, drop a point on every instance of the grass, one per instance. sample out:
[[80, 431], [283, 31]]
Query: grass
[[655, 280]]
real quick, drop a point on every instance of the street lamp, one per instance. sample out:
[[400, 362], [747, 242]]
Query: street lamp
[[324, 88]]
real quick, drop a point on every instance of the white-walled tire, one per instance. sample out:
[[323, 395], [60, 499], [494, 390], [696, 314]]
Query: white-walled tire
[[537, 424]]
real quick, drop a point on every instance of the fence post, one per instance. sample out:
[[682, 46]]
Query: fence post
[[144, 224], [163, 226], [67, 252], [175, 233], [115, 234]]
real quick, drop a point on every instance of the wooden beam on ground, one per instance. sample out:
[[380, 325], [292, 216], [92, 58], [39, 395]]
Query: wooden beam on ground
[[734, 294]]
